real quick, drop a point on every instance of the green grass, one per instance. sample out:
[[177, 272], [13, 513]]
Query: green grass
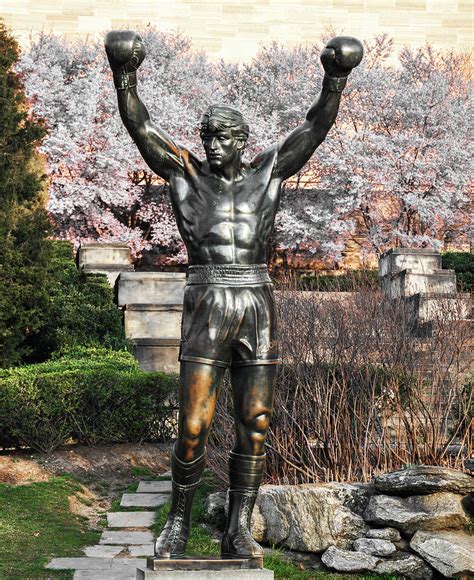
[[201, 542], [36, 525]]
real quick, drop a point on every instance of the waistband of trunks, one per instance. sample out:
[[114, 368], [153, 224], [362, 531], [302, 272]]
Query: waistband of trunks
[[228, 274]]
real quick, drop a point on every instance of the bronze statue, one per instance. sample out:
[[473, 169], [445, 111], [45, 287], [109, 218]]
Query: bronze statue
[[225, 210]]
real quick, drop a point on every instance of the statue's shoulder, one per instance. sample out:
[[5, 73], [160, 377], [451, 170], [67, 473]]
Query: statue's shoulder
[[265, 160]]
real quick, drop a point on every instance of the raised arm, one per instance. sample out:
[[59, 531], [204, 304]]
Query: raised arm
[[126, 52], [340, 56]]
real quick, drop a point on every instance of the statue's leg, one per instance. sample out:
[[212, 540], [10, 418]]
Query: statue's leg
[[199, 385], [253, 390]]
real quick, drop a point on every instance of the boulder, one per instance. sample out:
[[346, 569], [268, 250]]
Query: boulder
[[347, 561], [405, 565], [437, 511], [391, 534], [451, 553], [215, 513], [424, 479], [374, 546], [309, 518]]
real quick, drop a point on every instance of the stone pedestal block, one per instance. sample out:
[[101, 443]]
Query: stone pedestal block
[[108, 259], [204, 569], [153, 321], [163, 288], [418, 260], [407, 283], [157, 354], [433, 307]]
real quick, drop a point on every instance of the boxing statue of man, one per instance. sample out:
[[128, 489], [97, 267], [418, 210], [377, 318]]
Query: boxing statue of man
[[225, 209]]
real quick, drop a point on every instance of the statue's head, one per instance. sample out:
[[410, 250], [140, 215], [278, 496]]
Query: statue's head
[[224, 134]]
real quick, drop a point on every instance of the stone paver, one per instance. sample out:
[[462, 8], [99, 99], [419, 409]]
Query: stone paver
[[102, 551], [126, 538], [130, 519], [143, 499], [143, 550], [80, 564], [154, 487], [105, 575]]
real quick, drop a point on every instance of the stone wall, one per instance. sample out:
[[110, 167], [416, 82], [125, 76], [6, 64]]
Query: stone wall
[[233, 30]]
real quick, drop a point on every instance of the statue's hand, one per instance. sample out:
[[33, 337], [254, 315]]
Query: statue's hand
[[125, 50], [341, 55]]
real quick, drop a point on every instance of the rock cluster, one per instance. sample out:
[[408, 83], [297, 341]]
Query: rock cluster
[[410, 523]]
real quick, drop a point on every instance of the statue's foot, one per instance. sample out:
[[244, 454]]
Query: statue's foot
[[237, 541], [171, 543]]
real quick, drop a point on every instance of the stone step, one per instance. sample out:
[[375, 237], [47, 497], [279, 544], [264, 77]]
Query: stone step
[[142, 550], [126, 538], [105, 575], [102, 551], [130, 519], [143, 499], [146, 574], [154, 487]]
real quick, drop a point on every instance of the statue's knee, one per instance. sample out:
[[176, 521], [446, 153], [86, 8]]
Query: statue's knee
[[256, 426], [193, 429], [261, 423]]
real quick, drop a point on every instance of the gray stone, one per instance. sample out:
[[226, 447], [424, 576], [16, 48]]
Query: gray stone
[[80, 564], [451, 553], [165, 288], [142, 550], [215, 509], [406, 566], [374, 546], [125, 538], [420, 260], [130, 519], [348, 561], [308, 518], [102, 551], [420, 512], [157, 354], [424, 479], [117, 255], [155, 486], [127, 574], [391, 534], [145, 574], [423, 308], [153, 321], [407, 283], [143, 499]]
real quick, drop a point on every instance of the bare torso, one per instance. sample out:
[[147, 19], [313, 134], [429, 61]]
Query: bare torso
[[226, 222]]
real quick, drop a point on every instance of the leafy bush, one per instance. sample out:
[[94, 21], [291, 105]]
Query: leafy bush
[[89, 395], [80, 309], [463, 264]]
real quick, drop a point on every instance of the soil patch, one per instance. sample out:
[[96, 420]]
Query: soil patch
[[20, 470]]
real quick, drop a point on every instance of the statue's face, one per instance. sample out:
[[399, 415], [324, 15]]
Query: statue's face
[[222, 148]]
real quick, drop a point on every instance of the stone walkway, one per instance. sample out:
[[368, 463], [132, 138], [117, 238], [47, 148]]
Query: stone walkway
[[126, 542]]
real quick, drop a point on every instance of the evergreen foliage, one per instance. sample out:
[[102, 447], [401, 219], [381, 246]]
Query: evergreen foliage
[[24, 223], [463, 264]]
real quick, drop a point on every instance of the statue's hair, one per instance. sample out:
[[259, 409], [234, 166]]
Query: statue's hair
[[222, 118]]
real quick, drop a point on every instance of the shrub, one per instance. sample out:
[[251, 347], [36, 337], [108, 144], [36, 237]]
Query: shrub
[[88, 395], [350, 281], [359, 393], [463, 264], [80, 309]]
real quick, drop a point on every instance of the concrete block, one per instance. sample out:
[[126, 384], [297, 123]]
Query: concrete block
[[142, 550], [164, 288], [154, 487], [263, 574], [143, 500], [407, 283], [103, 551], [126, 574], [157, 354], [152, 321], [439, 308], [130, 519], [125, 538], [417, 260], [110, 255], [80, 564]]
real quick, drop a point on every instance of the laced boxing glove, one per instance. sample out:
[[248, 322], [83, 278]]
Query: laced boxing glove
[[126, 52], [339, 57]]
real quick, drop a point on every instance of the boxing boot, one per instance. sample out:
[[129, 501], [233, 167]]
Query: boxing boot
[[172, 541], [245, 476]]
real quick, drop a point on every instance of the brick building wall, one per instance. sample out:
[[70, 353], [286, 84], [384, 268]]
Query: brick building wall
[[234, 29]]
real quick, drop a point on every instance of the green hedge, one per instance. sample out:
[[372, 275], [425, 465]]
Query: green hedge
[[463, 264], [90, 396]]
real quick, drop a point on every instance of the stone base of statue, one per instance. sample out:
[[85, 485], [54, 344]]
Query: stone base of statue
[[204, 568]]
